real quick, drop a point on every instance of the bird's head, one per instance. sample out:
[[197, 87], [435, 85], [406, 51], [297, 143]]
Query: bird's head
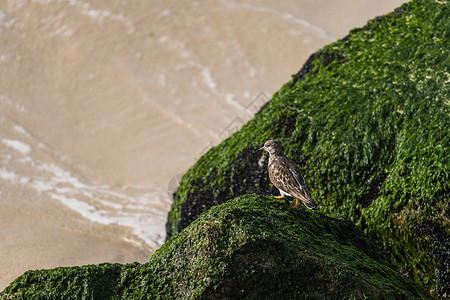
[[273, 147]]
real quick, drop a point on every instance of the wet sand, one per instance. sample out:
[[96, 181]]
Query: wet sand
[[45, 234], [103, 103]]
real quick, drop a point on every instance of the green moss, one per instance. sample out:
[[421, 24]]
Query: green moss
[[367, 122], [252, 247], [88, 282]]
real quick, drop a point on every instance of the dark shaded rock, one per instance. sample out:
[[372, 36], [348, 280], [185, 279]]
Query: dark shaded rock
[[375, 187], [325, 58], [437, 241], [254, 179], [367, 122], [252, 247]]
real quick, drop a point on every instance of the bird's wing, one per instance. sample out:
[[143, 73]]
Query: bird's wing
[[288, 178], [300, 190], [301, 182]]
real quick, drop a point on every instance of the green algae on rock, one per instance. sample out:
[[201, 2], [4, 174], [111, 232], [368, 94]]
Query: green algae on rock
[[87, 282], [367, 120], [252, 247]]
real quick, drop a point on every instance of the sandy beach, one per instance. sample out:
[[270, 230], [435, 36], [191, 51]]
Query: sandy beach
[[103, 104]]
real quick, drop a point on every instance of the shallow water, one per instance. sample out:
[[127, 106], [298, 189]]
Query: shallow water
[[103, 104]]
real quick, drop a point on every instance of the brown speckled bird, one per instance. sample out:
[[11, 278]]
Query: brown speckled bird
[[285, 175]]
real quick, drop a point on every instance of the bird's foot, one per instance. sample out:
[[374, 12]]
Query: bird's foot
[[296, 204], [279, 197]]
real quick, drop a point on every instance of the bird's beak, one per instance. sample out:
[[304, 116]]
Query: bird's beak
[[262, 148]]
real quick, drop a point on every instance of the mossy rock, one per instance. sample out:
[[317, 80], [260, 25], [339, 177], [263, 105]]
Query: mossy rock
[[367, 121], [253, 247]]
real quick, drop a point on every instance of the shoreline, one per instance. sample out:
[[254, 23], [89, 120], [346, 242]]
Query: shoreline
[[47, 235]]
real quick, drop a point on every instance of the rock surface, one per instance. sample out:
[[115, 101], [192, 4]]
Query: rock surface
[[253, 247], [366, 120]]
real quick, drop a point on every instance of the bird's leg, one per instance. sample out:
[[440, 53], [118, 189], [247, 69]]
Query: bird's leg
[[296, 204], [279, 197]]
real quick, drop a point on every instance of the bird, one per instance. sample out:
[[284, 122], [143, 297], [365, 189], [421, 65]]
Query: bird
[[285, 175]]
